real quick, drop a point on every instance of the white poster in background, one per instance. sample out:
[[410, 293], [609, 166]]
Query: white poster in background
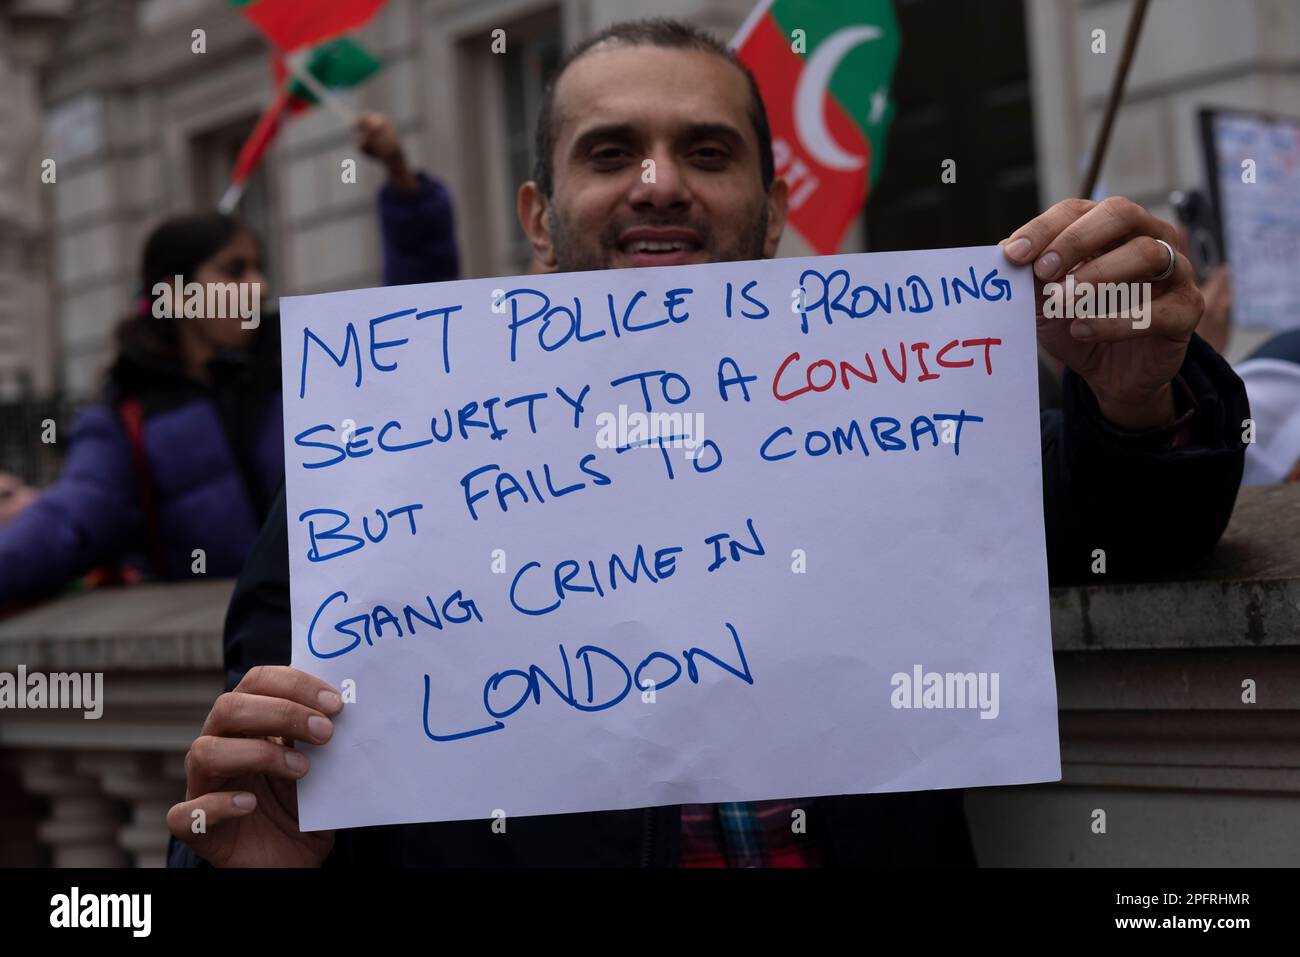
[[616, 539], [1260, 210]]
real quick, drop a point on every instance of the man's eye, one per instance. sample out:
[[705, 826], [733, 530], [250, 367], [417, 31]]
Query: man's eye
[[609, 154], [710, 155]]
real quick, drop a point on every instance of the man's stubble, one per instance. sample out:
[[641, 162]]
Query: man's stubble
[[573, 256]]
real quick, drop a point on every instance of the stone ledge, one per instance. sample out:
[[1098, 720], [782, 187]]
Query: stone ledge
[[145, 627], [1244, 594]]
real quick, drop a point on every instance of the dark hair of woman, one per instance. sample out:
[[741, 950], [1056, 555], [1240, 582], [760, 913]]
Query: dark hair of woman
[[176, 247]]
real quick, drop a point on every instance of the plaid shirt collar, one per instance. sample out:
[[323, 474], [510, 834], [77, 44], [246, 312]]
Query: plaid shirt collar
[[748, 834]]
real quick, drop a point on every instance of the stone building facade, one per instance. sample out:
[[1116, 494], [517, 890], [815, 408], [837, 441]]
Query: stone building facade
[[140, 126]]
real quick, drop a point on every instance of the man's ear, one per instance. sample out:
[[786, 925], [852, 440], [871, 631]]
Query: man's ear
[[778, 199], [536, 224]]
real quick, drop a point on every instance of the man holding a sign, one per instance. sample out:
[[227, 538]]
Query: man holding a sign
[[567, 655]]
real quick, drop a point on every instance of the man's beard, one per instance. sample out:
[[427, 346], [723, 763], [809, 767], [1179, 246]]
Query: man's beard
[[574, 256]]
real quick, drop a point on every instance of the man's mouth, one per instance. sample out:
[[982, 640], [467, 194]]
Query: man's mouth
[[669, 247]]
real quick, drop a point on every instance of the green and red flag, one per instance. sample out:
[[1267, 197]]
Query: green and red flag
[[824, 69], [337, 65], [292, 24]]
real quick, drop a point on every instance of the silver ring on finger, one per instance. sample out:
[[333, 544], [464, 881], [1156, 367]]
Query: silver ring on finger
[[1173, 262]]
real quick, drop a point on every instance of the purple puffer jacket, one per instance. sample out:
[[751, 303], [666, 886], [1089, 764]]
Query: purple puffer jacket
[[215, 455]]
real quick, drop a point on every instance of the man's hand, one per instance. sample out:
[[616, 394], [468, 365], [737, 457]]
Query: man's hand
[[241, 772], [1130, 370], [377, 137], [1216, 325]]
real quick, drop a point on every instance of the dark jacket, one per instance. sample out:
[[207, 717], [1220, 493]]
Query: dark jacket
[[1150, 508], [214, 454], [419, 234], [1284, 346]]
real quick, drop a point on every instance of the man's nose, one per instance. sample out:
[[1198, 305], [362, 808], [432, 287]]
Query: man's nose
[[660, 184]]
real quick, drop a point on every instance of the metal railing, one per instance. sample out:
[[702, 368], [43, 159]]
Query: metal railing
[[33, 436]]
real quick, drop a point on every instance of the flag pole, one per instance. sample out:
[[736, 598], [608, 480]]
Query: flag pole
[[1136, 16], [230, 198], [751, 21], [297, 66], [250, 152]]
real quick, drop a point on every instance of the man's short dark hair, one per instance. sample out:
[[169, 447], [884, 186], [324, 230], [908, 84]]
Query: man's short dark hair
[[658, 32]]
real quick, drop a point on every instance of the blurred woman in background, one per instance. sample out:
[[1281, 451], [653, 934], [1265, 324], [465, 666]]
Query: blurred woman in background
[[171, 474]]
